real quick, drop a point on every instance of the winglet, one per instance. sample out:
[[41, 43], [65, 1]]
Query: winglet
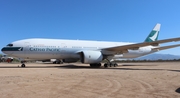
[[153, 36]]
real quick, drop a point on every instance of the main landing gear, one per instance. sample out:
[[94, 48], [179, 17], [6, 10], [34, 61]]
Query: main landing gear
[[111, 64]]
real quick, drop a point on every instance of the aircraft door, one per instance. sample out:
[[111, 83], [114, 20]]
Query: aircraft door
[[63, 50], [63, 47], [26, 50]]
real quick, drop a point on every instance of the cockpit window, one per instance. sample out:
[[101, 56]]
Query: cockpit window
[[10, 45]]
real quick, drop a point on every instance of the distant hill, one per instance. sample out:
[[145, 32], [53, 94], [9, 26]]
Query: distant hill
[[159, 56]]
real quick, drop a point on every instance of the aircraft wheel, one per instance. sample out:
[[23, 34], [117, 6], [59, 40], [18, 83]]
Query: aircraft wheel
[[23, 65], [105, 65], [115, 64], [91, 65], [110, 65], [99, 64]]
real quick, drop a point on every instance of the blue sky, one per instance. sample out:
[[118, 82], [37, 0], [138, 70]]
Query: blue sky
[[109, 20]]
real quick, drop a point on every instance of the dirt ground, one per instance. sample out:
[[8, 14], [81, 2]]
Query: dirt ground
[[129, 80]]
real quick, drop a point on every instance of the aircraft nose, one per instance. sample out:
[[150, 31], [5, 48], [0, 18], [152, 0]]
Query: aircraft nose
[[2, 49], [7, 50], [11, 50]]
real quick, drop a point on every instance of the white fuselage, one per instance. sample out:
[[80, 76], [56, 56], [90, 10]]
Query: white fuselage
[[63, 49]]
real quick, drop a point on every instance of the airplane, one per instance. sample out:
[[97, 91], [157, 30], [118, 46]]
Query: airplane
[[86, 51]]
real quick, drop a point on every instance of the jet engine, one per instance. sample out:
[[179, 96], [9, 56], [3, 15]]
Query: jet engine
[[90, 57]]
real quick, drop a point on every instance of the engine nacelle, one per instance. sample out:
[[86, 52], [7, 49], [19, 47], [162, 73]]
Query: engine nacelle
[[90, 57], [70, 60]]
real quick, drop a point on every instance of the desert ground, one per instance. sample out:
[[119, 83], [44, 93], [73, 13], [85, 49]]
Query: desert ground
[[74, 80]]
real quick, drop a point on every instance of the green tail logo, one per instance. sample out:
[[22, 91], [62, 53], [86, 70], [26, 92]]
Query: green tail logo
[[153, 36]]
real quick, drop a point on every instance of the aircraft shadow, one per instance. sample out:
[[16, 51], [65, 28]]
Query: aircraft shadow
[[77, 67], [48, 66], [28, 67], [175, 70], [177, 90], [136, 65], [71, 66], [113, 68]]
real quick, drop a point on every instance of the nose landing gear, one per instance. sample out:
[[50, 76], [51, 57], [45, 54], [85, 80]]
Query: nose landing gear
[[22, 64]]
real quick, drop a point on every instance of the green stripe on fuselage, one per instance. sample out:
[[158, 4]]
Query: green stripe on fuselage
[[12, 49]]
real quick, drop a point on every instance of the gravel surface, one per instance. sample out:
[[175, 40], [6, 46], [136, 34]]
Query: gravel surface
[[129, 80]]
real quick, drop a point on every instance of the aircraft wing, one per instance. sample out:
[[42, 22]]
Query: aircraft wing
[[166, 47], [124, 48]]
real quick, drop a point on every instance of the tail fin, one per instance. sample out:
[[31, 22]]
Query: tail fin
[[153, 36]]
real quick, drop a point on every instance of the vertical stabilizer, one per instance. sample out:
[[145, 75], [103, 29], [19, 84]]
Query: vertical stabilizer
[[153, 36]]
